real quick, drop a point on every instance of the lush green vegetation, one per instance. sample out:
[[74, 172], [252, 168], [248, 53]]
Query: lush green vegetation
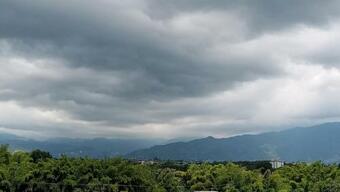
[[38, 171]]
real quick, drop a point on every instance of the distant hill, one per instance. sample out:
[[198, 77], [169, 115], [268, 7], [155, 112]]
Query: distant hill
[[97, 148], [321, 142]]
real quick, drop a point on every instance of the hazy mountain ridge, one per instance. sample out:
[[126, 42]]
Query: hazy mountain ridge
[[97, 147], [321, 142]]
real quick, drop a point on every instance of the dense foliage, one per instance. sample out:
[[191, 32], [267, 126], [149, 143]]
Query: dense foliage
[[38, 171]]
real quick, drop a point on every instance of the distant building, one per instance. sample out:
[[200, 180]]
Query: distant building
[[146, 162], [277, 164]]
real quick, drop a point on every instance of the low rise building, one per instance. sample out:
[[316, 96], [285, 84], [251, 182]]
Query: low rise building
[[277, 164]]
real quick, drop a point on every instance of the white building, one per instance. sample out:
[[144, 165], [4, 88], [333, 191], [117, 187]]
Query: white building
[[277, 164]]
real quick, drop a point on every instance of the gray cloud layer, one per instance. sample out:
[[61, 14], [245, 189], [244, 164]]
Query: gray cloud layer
[[166, 68]]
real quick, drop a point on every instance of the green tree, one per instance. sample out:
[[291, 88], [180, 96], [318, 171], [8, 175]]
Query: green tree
[[38, 155]]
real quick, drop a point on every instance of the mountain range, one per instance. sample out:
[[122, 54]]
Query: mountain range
[[96, 148], [320, 142]]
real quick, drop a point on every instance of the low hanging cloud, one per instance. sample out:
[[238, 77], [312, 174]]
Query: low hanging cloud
[[166, 68]]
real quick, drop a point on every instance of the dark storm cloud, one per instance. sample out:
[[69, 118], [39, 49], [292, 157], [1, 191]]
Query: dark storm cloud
[[261, 15], [129, 63], [150, 59]]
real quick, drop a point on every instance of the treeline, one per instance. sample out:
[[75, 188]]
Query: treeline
[[38, 171]]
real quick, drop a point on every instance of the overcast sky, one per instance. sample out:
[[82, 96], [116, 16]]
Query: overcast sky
[[167, 68]]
